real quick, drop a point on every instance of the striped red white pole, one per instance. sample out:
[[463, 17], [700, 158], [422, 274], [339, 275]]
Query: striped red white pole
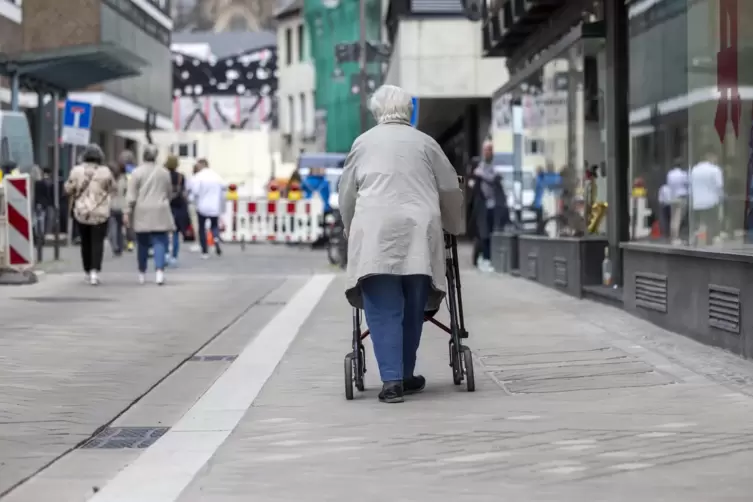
[[19, 242]]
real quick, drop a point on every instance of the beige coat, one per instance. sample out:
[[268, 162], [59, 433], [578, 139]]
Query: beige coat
[[148, 199], [397, 192], [90, 188]]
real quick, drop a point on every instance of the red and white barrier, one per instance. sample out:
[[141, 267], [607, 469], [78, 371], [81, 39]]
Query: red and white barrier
[[281, 221], [19, 243]]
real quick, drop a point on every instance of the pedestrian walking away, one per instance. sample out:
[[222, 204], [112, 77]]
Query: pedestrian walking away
[[179, 208], [148, 213], [397, 192], [208, 191], [90, 188], [116, 230]]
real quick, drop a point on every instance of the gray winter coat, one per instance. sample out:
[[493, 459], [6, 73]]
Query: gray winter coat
[[397, 192], [148, 199]]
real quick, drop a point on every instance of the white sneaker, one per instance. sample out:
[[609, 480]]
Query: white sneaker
[[142, 278], [204, 256], [484, 265], [160, 277], [93, 278]]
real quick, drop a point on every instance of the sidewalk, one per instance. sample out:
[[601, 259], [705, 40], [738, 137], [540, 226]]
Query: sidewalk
[[73, 358], [575, 401]]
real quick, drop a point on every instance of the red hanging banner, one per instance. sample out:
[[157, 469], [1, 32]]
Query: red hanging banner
[[727, 71]]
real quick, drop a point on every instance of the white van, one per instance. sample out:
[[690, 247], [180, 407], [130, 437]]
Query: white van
[[15, 140]]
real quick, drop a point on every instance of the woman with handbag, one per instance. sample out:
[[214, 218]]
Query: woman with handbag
[[90, 188]]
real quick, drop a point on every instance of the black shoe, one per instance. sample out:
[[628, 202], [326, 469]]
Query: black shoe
[[414, 385], [392, 392], [218, 250]]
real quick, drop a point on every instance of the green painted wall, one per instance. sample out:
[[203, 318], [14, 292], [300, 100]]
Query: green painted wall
[[327, 28]]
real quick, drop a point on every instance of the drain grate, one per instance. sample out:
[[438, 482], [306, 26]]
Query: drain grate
[[120, 438], [209, 359]]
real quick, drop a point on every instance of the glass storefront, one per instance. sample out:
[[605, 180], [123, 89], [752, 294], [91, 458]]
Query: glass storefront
[[563, 137], [691, 135]]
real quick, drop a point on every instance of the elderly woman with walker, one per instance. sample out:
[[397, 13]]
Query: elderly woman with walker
[[398, 196]]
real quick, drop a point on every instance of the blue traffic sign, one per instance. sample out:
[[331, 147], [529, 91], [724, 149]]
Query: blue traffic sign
[[77, 122], [414, 115]]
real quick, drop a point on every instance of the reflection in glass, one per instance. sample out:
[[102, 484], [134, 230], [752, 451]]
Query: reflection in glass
[[690, 131]]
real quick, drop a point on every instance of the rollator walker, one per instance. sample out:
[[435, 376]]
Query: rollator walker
[[461, 358]]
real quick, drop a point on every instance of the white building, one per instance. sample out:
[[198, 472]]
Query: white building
[[296, 84], [437, 56]]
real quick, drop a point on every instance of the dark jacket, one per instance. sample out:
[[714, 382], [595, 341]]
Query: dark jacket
[[479, 224]]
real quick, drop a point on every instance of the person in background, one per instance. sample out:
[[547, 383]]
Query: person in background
[[397, 193], [677, 181], [126, 163], [487, 206], [208, 192], [44, 200], [665, 210], [316, 183], [148, 213], [178, 206], [116, 230], [545, 180], [706, 194], [91, 186]]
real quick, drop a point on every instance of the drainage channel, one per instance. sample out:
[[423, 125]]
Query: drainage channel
[[109, 437]]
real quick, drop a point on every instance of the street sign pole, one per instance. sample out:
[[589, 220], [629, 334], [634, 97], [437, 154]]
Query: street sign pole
[[56, 175], [77, 123]]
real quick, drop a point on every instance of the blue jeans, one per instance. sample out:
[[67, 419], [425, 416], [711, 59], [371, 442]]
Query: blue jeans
[[176, 244], [156, 240], [394, 307]]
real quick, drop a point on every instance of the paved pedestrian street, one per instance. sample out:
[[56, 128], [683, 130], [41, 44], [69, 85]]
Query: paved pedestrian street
[[227, 385]]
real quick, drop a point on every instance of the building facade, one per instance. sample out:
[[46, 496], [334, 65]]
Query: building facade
[[665, 84], [224, 80], [329, 23], [299, 129], [91, 36], [446, 73]]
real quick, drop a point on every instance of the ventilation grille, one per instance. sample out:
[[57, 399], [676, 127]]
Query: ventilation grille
[[724, 308], [560, 272], [533, 266], [651, 291]]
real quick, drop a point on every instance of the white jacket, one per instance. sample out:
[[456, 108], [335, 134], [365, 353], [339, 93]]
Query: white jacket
[[207, 191]]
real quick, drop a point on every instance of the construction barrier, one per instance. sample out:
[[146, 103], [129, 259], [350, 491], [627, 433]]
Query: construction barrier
[[19, 243], [280, 221], [3, 229]]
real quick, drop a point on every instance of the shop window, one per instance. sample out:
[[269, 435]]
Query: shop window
[[690, 133]]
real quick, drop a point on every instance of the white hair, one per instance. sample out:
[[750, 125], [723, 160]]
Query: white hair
[[391, 103]]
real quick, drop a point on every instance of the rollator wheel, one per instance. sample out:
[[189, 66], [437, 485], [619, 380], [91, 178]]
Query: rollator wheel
[[457, 368], [349, 377], [470, 379], [360, 370]]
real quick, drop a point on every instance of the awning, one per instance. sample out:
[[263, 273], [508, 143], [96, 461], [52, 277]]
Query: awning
[[72, 68]]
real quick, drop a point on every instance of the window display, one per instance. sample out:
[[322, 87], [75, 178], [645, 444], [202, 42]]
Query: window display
[[691, 102]]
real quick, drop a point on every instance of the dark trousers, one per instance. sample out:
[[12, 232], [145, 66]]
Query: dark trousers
[[92, 245], [486, 250], [214, 225]]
